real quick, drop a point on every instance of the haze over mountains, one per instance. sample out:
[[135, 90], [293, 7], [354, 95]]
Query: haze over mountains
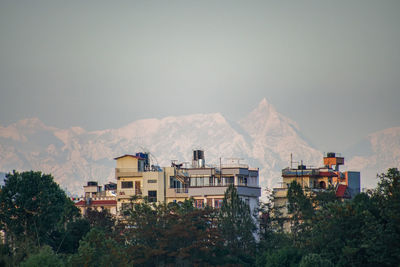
[[264, 138]]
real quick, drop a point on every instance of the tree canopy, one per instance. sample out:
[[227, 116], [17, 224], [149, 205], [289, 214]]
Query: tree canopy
[[33, 206], [43, 228]]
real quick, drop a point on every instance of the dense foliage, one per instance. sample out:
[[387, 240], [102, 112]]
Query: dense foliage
[[43, 229]]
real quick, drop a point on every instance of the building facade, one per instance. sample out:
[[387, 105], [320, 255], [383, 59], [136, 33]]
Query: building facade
[[97, 199], [137, 178], [207, 184], [312, 180]]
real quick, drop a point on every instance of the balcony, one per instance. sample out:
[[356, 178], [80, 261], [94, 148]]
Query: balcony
[[127, 172], [220, 190], [128, 193], [177, 192]]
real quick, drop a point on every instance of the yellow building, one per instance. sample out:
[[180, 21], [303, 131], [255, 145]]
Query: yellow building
[[177, 181], [136, 178], [312, 180]]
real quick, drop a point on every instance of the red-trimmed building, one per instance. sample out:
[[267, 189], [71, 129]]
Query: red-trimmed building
[[98, 199], [109, 203], [312, 180]]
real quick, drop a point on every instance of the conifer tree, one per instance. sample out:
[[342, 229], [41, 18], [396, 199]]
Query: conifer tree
[[237, 227]]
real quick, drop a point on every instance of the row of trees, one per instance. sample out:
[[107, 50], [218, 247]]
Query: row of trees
[[44, 228], [325, 231]]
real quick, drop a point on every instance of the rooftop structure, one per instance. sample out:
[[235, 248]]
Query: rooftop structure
[[312, 180], [96, 198], [207, 184], [137, 178]]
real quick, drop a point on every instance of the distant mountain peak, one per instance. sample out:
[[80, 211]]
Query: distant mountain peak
[[264, 107], [265, 138]]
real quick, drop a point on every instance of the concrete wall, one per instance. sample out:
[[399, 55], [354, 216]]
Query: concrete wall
[[127, 162], [151, 186]]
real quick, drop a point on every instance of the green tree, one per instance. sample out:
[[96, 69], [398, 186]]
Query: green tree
[[237, 227], [172, 234], [67, 240], [45, 257], [102, 219], [99, 249], [300, 207], [386, 199], [323, 198], [315, 260], [284, 257], [32, 207], [5, 255], [272, 236]]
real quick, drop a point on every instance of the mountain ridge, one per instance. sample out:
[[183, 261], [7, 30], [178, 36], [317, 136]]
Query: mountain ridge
[[264, 138]]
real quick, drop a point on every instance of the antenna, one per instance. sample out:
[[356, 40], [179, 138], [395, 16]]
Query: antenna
[[291, 161]]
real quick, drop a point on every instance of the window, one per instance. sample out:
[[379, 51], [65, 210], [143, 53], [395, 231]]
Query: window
[[199, 203], [242, 181], [152, 196], [138, 190], [217, 203], [152, 181], [228, 180], [173, 183], [126, 184]]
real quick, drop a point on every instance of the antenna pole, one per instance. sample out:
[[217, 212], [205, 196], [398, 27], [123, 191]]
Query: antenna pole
[[291, 160], [302, 181]]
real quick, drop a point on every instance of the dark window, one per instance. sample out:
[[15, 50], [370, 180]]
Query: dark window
[[199, 203], [152, 196], [152, 181], [126, 184], [217, 203], [173, 183], [138, 190]]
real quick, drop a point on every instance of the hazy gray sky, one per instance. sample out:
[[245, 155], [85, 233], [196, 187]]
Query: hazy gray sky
[[332, 66]]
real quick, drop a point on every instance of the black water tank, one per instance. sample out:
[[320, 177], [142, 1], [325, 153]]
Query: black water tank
[[331, 154], [198, 154], [302, 167]]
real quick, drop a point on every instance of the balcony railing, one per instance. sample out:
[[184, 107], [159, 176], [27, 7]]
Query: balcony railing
[[181, 190], [121, 172], [177, 192], [126, 193]]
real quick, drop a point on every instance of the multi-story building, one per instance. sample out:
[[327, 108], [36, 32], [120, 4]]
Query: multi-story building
[[312, 180], [137, 178], [97, 199], [205, 184]]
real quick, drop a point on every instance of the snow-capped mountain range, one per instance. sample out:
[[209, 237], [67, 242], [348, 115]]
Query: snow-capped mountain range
[[265, 139]]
